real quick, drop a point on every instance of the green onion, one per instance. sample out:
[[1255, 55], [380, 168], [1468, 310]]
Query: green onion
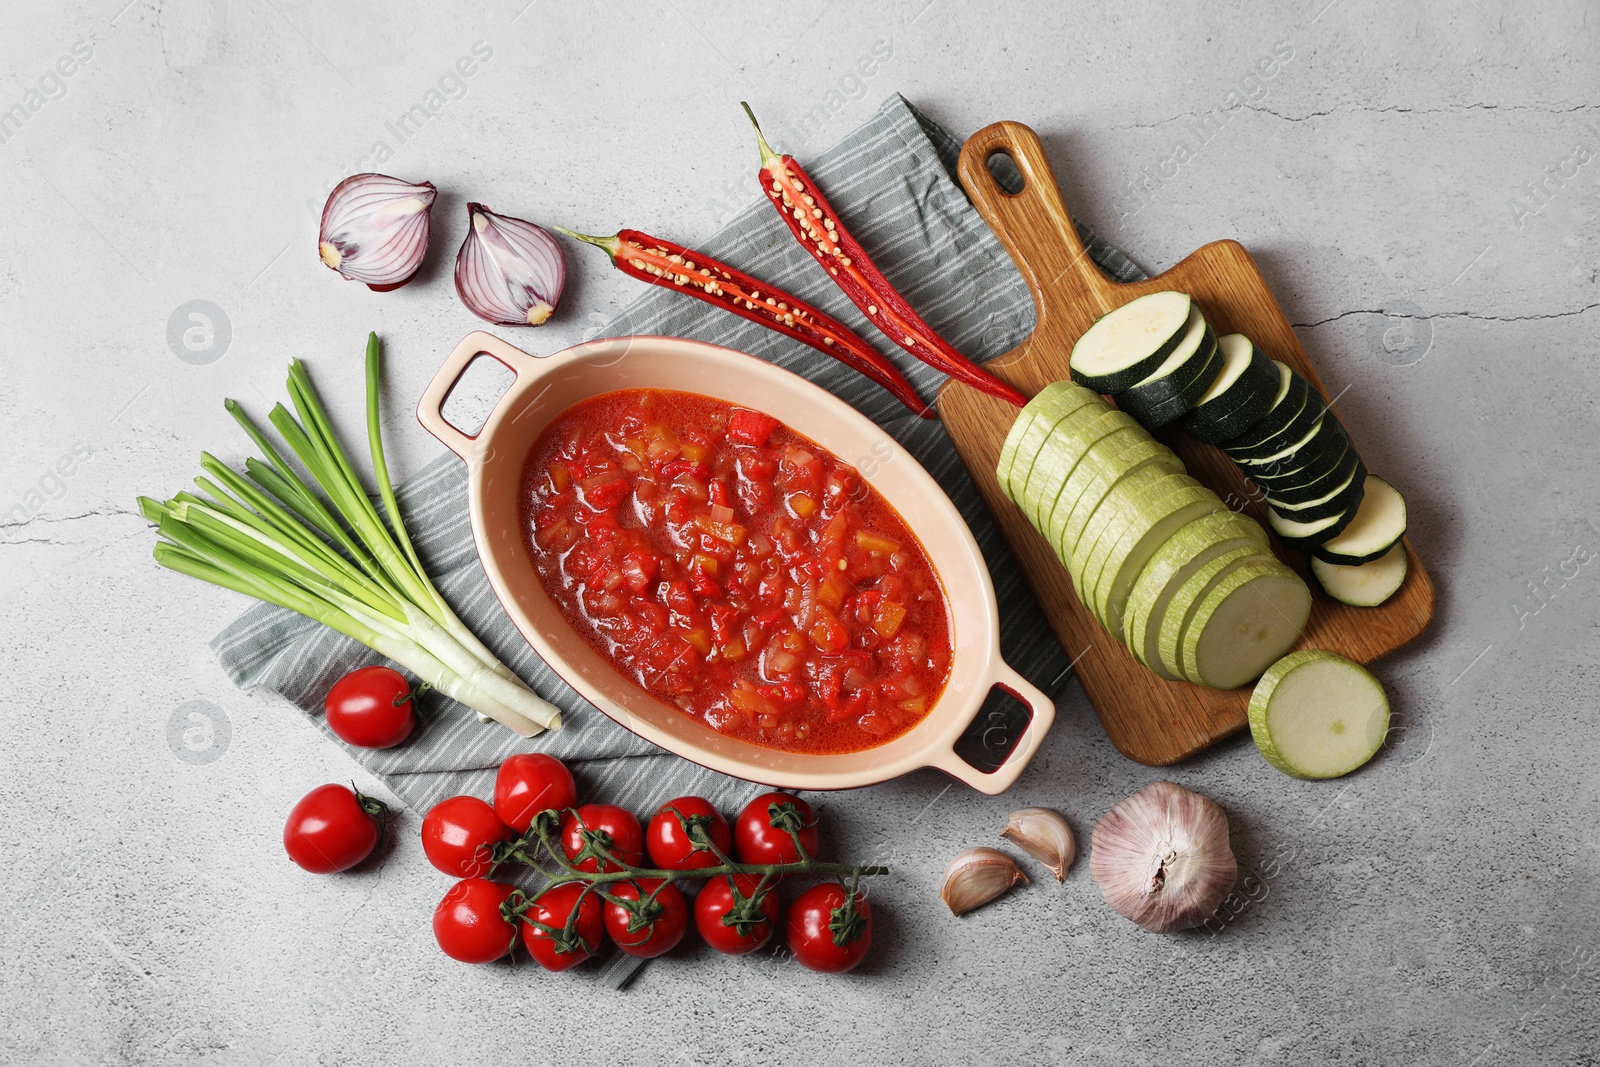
[[319, 546]]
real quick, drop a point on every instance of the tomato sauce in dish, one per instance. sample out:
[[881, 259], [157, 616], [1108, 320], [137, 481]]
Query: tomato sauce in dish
[[737, 570]]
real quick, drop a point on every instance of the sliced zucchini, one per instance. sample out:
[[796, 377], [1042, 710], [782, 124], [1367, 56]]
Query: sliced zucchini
[[1126, 504], [1181, 364], [1177, 394], [1125, 345], [1048, 410], [1089, 482], [1311, 480], [1373, 528], [1271, 433], [1239, 396], [1317, 450], [1057, 400], [1135, 505], [1250, 619], [1317, 715], [1123, 562], [1342, 497], [1071, 441], [1109, 523], [1363, 585], [1093, 480], [1149, 601], [1308, 534], [1182, 604], [1296, 431]]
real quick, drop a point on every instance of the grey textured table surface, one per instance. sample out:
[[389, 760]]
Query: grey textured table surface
[[1418, 182]]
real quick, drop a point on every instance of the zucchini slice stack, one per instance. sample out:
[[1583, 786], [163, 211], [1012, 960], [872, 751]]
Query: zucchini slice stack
[[1162, 363], [1156, 557]]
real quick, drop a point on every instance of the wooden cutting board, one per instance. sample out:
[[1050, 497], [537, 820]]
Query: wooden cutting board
[[1150, 720]]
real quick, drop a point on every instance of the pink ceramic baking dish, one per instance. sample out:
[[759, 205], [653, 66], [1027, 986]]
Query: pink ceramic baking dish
[[545, 387]]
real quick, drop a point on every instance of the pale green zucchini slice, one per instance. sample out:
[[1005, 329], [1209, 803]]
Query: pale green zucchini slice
[[1249, 620], [1318, 715], [1180, 609]]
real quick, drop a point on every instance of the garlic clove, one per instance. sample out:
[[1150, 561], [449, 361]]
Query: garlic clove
[[375, 229], [1162, 857], [1044, 835], [509, 271], [976, 876]]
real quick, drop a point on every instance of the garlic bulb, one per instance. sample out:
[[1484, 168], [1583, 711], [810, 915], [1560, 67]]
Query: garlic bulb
[[1162, 857], [509, 271], [976, 876], [1044, 835], [375, 229]]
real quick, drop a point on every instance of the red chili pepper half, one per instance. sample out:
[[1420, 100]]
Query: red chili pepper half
[[821, 231], [674, 266]]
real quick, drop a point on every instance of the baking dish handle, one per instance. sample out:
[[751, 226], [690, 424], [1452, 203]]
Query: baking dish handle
[[430, 409], [1042, 713]]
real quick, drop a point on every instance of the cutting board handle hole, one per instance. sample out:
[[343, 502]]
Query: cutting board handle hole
[[1006, 174]]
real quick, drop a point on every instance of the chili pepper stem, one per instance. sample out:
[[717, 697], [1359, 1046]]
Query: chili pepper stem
[[768, 156], [609, 244]]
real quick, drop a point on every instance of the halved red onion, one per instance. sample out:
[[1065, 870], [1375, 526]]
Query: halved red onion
[[375, 229], [509, 271]]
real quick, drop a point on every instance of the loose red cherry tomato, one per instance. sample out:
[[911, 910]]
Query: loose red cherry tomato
[[827, 932], [606, 826], [333, 828], [679, 831], [545, 929], [762, 831], [459, 835], [371, 708], [736, 923], [659, 923], [469, 924], [531, 782]]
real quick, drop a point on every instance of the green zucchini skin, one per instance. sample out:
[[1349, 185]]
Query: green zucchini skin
[[1236, 409], [1310, 542], [1315, 459], [1348, 464], [1347, 498], [1268, 435], [1302, 423], [1159, 403]]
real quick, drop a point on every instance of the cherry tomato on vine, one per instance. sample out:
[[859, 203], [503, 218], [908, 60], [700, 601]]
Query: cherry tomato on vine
[[531, 782], [736, 924], [469, 923], [333, 828], [371, 708], [678, 833], [459, 835], [761, 833], [827, 931], [607, 826], [545, 921], [656, 922]]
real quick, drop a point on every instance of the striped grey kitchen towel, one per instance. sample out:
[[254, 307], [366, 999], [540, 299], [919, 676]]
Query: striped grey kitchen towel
[[892, 178]]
